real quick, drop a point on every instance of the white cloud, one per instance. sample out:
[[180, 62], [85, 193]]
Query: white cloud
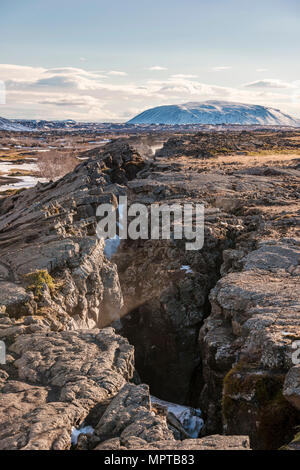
[[20, 72], [261, 70], [222, 68], [157, 68], [70, 100], [269, 83], [182, 75], [117, 73], [75, 93], [63, 77]]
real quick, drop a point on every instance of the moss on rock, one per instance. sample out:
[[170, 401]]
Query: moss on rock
[[253, 404], [37, 280]]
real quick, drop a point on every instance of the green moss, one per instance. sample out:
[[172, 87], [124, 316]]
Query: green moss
[[230, 406], [296, 440], [37, 280], [268, 389], [254, 404], [277, 421], [239, 380], [296, 437], [225, 150], [246, 379]]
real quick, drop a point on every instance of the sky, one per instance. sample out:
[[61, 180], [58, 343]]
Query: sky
[[96, 60]]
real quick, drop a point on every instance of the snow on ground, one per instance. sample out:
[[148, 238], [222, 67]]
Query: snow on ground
[[190, 418], [112, 244], [187, 269], [104, 141], [7, 166], [24, 181], [83, 430]]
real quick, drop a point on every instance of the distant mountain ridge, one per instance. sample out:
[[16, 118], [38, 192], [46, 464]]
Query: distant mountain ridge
[[34, 124], [204, 113], [9, 125], [215, 112]]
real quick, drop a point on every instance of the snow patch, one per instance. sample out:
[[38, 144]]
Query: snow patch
[[83, 430], [187, 269], [190, 418], [24, 181], [112, 244]]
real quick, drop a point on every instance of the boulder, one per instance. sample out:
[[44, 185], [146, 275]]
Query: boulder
[[129, 414], [215, 442], [60, 378]]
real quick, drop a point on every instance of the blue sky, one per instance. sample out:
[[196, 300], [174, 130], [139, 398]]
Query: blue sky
[[100, 60]]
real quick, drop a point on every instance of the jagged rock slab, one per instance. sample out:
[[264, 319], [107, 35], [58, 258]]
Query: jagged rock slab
[[249, 336], [251, 206], [53, 227], [129, 414], [59, 379], [215, 442]]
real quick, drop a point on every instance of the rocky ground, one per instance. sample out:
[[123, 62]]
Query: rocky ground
[[212, 328]]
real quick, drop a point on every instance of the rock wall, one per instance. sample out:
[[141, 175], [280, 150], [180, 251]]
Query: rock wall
[[246, 345], [240, 372], [53, 381], [239, 292], [52, 228]]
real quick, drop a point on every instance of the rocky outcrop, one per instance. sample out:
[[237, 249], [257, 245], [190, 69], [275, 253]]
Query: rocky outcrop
[[216, 442], [239, 292], [52, 228], [131, 422], [239, 366], [246, 346], [166, 288], [291, 390], [209, 144], [53, 381], [164, 306], [129, 415], [121, 159]]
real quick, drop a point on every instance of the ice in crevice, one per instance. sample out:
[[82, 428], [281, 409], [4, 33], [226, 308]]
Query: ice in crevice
[[82, 430], [112, 244], [189, 418], [187, 269]]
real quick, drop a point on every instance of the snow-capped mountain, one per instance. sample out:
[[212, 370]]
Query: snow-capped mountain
[[8, 125], [41, 124], [215, 112]]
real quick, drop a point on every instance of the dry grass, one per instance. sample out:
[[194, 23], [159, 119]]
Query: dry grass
[[11, 156], [53, 165], [17, 173], [279, 152], [263, 159]]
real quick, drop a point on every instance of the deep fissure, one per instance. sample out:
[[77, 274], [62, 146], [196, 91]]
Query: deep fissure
[[153, 346], [227, 354]]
